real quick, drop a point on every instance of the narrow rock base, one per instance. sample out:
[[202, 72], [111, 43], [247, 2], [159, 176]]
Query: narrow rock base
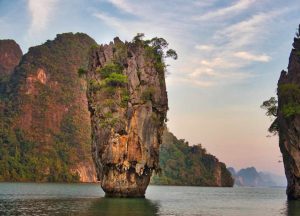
[[128, 183]]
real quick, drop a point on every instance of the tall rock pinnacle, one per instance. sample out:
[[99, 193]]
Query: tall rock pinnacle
[[128, 102], [288, 120]]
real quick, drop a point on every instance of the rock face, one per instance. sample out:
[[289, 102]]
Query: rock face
[[45, 123], [182, 164], [128, 103], [250, 177], [10, 56], [288, 120]]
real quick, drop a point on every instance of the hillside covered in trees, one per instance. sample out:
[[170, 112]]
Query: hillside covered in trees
[[45, 125], [182, 164]]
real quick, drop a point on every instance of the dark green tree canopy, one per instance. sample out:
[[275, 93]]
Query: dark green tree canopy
[[271, 108]]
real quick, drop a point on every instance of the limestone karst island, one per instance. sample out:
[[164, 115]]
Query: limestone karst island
[[141, 108]]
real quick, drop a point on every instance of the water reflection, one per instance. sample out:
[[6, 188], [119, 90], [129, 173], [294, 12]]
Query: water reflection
[[88, 206], [125, 207], [293, 208]]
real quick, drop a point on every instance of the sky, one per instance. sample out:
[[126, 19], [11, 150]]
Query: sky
[[230, 57]]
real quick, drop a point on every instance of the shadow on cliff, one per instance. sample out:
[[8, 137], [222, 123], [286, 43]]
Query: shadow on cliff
[[292, 208], [124, 207]]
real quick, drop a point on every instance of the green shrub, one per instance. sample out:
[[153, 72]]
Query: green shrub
[[125, 97], [290, 89], [81, 72], [116, 79], [108, 120], [291, 109], [95, 85], [110, 68]]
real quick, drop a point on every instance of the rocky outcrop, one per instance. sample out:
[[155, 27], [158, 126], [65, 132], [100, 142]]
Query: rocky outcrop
[[250, 177], [288, 120], [182, 164], [128, 103], [45, 127], [10, 56]]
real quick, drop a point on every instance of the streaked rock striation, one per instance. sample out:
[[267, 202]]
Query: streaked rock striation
[[288, 120], [128, 103]]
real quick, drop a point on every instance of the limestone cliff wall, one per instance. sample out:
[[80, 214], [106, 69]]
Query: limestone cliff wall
[[10, 56], [128, 103], [288, 118], [45, 119]]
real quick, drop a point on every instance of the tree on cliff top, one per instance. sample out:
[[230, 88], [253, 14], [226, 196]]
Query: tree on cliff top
[[271, 110], [158, 44]]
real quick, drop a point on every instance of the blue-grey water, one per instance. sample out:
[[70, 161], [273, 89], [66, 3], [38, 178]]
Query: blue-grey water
[[88, 199]]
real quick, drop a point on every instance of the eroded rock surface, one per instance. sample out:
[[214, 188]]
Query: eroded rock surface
[[288, 119], [10, 56], [44, 116], [128, 103]]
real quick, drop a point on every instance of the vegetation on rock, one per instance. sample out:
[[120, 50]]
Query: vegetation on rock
[[286, 110], [44, 127], [182, 164], [128, 104]]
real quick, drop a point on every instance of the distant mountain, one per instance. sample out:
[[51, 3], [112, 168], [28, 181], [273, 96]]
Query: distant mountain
[[250, 177]]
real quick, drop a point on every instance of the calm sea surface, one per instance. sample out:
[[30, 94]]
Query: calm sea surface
[[88, 199]]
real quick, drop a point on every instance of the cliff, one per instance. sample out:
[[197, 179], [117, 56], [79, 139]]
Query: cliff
[[128, 103], [182, 164], [288, 120], [45, 132], [10, 56], [45, 124]]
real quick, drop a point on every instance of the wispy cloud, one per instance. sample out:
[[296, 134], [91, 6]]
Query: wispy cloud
[[252, 57], [205, 47], [229, 11], [123, 5], [222, 57], [41, 12], [250, 30]]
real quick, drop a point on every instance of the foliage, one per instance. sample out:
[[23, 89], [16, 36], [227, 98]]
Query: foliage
[[182, 164], [291, 109], [291, 94], [172, 53], [108, 120], [138, 38], [81, 72], [116, 79], [125, 97], [50, 148], [110, 68], [270, 106], [155, 50], [289, 89]]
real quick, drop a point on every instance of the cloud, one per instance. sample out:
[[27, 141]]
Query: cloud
[[221, 57], [251, 57], [123, 5], [230, 11], [205, 47], [41, 11], [248, 31]]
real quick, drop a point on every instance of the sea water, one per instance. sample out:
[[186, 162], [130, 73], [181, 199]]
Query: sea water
[[88, 199]]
